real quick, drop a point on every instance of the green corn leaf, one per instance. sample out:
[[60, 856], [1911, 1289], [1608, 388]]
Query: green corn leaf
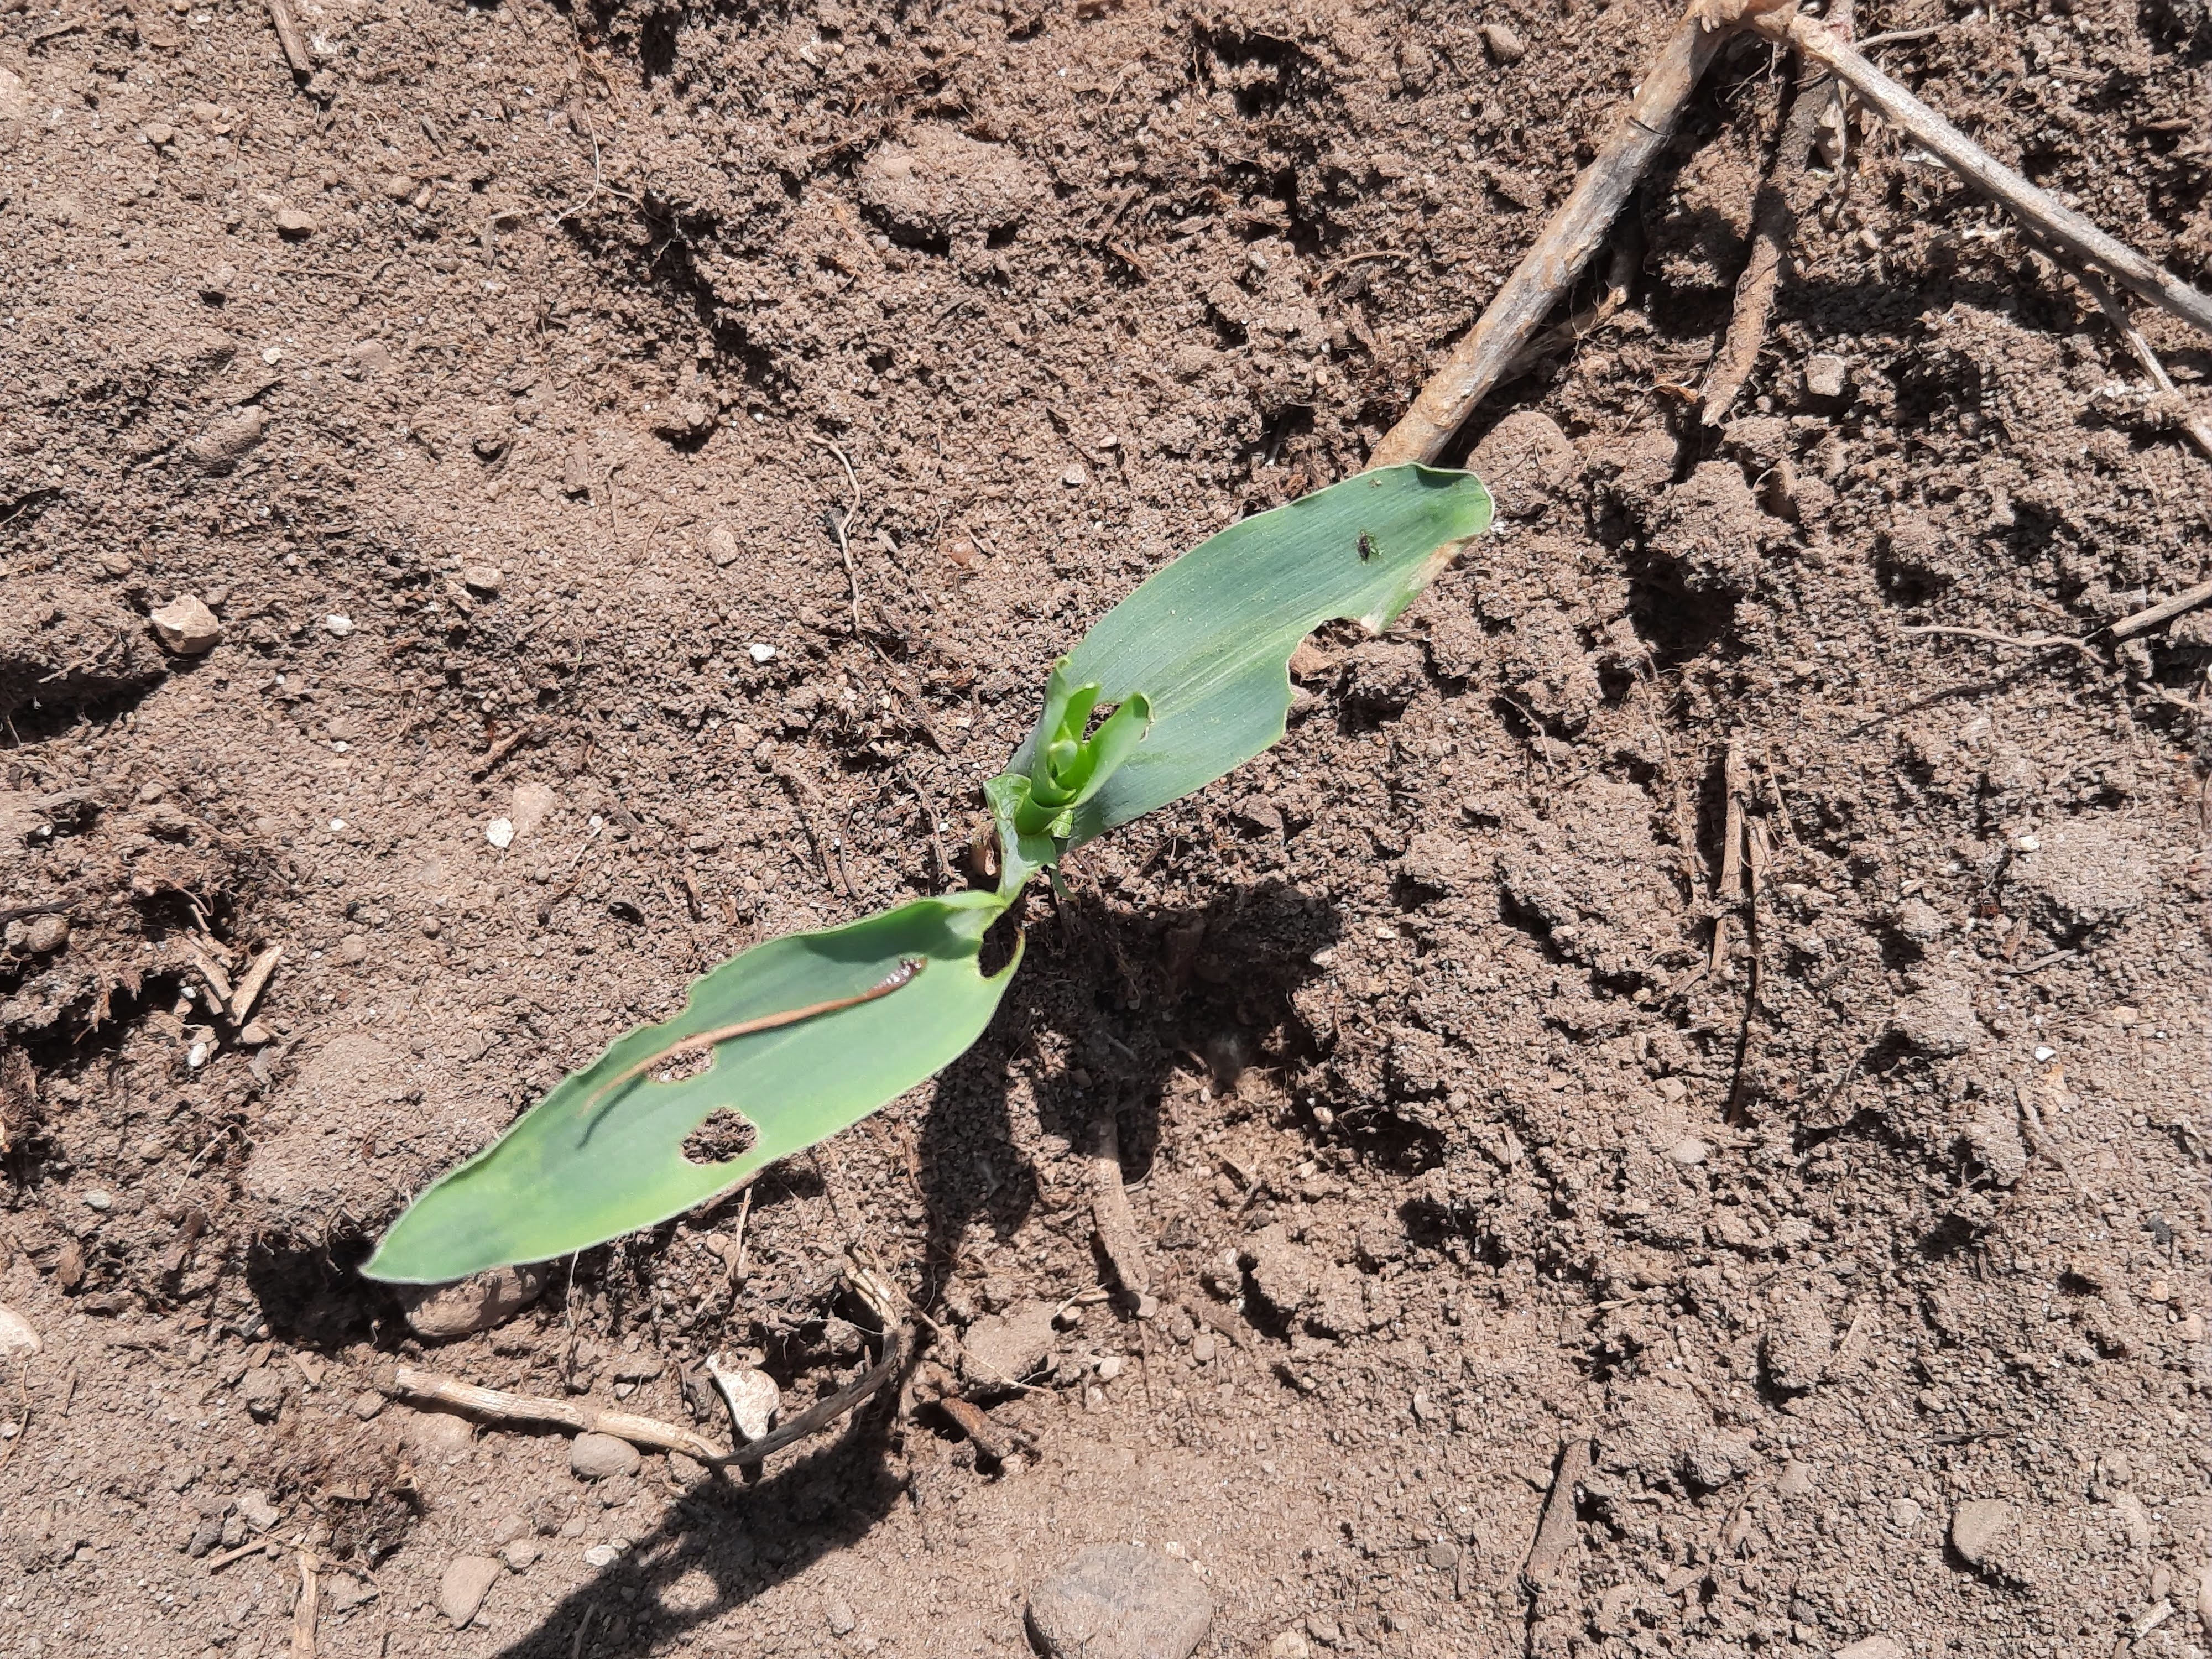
[[1208, 639], [1070, 767], [590, 1162], [1196, 665]]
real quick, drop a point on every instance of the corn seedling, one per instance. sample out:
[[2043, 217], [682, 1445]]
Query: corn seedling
[[809, 1033]]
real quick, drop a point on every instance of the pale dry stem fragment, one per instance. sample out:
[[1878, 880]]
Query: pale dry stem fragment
[[1111, 1214], [1550, 267], [304, 1610], [1556, 1532], [1782, 198], [2073, 235], [2164, 612]]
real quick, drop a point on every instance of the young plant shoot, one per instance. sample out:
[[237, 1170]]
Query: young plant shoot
[[811, 1032]]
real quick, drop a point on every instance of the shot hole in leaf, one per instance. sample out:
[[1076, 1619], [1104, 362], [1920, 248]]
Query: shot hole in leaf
[[725, 1135]]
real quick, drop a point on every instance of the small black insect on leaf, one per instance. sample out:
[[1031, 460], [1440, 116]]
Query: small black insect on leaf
[[1366, 547]]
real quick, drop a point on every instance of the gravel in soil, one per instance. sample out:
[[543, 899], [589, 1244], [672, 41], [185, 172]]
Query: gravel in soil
[[1829, 1188]]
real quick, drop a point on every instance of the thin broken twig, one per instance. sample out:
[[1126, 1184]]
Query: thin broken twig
[[1550, 267], [2080, 240], [2164, 612], [843, 529], [1774, 226], [505, 746], [296, 53], [2116, 312], [304, 1610], [809, 812], [2024, 642], [1111, 1215], [497, 1406]]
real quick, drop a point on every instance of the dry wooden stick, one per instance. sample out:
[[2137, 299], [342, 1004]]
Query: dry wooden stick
[[303, 1613], [1555, 1532], [843, 528], [1550, 267], [2025, 642], [289, 38], [2116, 312], [809, 814], [505, 746], [2042, 212], [1110, 1216], [2164, 612], [497, 1406], [1774, 224]]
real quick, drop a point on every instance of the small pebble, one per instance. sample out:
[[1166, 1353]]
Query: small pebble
[[1504, 41], [97, 1200], [760, 653], [1203, 1348], [1291, 1645], [187, 626], [602, 1457], [1110, 1368], [256, 1512], [157, 133], [500, 832], [480, 579], [353, 948], [1075, 477], [1688, 1151], [839, 1619], [218, 282], [520, 1553], [18, 1341], [468, 1579], [1826, 375], [601, 1555], [294, 223], [1976, 1525], [261, 1390], [340, 625], [722, 546], [367, 1404], [1120, 1602], [46, 934], [752, 1396]]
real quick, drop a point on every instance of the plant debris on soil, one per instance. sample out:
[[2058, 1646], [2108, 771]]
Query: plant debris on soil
[[1669, 1115]]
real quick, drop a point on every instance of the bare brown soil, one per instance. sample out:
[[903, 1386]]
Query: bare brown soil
[[485, 386]]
